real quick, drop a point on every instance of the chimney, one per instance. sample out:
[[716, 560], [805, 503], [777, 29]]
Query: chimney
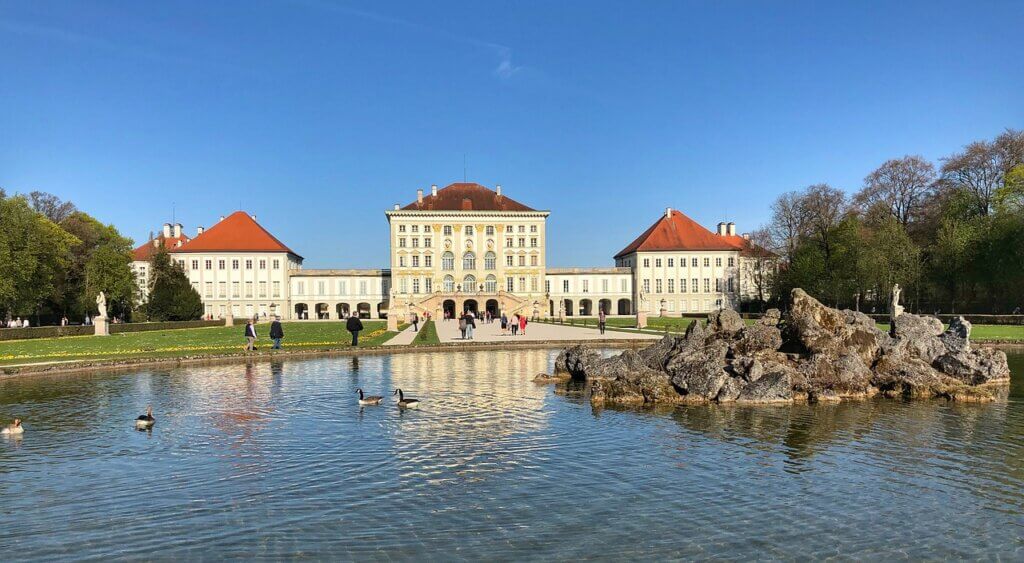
[[156, 243], [177, 230], [433, 190], [167, 230], [253, 218], [498, 189], [396, 207], [668, 212], [731, 229], [419, 197], [221, 219], [746, 236], [721, 229], [199, 231]]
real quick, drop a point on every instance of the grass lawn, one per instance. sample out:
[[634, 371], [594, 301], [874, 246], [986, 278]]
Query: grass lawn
[[427, 335], [186, 342], [678, 324]]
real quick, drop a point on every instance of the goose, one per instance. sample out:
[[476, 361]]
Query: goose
[[14, 429], [368, 399], [406, 403], [146, 421]]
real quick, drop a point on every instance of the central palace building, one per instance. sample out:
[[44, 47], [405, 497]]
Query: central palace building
[[463, 247]]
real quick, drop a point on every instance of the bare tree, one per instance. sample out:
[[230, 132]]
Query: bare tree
[[823, 207], [899, 185], [763, 263], [788, 223], [980, 170], [51, 206]]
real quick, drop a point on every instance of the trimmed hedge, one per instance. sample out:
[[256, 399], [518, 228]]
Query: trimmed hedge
[[44, 332], [166, 325], [82, 330]]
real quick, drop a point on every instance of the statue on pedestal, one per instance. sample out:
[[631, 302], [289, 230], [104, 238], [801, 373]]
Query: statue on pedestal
[[101, 304]]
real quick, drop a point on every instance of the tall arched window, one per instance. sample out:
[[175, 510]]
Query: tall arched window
[[449, 284], [447, 261], [491, 284], [469, 283], [469, 261], [489, 261]]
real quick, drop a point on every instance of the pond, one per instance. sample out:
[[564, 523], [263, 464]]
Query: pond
[[276, 459]]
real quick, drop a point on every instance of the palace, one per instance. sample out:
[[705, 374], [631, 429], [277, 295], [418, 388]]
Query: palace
[[463, 247]]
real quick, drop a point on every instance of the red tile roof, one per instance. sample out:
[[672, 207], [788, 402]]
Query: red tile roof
[[680, 233], [466, 196], [237, 232], [146, 251]]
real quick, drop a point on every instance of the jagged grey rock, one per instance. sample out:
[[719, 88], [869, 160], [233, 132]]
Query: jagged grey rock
[[700, 373], [975, 367], [820, 354], [771, 317], [774, 387], [725, 321], [820, 329], [957, 337], [757, 338]]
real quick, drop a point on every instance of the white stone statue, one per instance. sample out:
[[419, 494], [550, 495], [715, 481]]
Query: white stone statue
[[895, 309], [101, 304], [643, 299]]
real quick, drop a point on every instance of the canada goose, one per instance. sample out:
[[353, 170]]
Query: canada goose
[[406, 403], [369, 399], [146, 421], [14, 429]]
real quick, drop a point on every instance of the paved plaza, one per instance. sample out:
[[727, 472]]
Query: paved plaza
[[448, 331]]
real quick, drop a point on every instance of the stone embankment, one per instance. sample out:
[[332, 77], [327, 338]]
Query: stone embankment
[[814, 353]]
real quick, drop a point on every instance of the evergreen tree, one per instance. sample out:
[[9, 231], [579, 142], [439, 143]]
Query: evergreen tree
[[171, 297]]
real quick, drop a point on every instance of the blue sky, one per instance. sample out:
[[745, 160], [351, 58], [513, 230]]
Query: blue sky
[[317, 115]]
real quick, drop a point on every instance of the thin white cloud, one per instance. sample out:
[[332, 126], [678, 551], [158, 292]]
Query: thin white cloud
[[504, 70]]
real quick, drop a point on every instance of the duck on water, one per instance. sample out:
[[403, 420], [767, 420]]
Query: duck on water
[[368, 399], [13, 429], [145, 421], [404, 402]]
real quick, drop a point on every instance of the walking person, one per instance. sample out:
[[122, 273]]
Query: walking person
[[470, 324], [515, 324], [522, 325], [600, 320], [250, 336], [504, 324], [354, 325], [276, 333], [415, 322], [462, 325]]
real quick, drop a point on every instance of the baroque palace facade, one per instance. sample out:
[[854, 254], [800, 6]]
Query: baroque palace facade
[[461, 247]]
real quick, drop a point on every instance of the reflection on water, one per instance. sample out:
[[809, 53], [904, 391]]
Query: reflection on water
[[277, 459]]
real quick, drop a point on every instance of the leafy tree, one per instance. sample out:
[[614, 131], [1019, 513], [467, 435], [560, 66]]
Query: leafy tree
[[100, 262], [171, 297], [33, 253]]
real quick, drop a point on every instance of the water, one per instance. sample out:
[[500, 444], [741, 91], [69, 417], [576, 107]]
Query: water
[[276, 460]]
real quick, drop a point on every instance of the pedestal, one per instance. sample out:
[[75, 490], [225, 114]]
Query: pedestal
[[392, 322], [663, 313], [229, 320], [102, 328], [641, 319]]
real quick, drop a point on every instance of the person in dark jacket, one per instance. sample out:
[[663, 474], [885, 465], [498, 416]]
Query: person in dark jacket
[[276, 333], [354, 325], [250, 336]]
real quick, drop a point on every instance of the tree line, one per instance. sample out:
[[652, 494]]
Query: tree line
[[55, 259], [951, 233]]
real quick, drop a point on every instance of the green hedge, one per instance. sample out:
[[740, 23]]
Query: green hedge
[[166, 325], [44, 332], [82, 330]]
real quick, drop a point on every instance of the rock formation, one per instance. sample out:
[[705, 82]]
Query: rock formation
[[812, 353]]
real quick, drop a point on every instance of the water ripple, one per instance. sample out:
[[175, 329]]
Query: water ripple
[[273, 460]]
